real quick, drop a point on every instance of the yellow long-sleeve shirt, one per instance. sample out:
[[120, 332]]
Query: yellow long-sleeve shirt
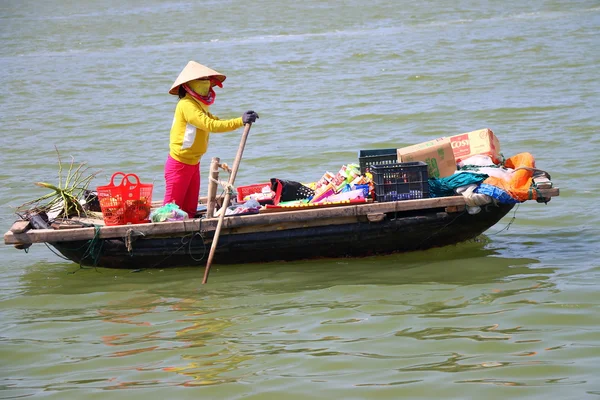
[[191, 129]]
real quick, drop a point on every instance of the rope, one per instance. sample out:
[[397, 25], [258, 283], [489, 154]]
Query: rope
[[199, 233], [536, 172], [509, 223], [449, 223], [95, 245], [94, 249], [128, 239], [442, 228], [539, 197], [225, 167], [173, 252], [225, 185], [185, 243], [56, 253]]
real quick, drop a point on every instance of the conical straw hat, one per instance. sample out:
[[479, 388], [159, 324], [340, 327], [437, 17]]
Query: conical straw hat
[[192, 71]]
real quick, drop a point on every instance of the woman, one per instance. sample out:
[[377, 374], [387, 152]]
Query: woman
[[190, 133]]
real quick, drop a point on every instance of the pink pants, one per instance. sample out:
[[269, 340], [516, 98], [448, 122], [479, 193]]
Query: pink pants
[[182, 185]]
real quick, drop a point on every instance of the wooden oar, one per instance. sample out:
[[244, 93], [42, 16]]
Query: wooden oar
[[234, 170]]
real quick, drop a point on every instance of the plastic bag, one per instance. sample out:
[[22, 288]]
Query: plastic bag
[[168, 212], [250, 207], [479, 160], [473, 199]]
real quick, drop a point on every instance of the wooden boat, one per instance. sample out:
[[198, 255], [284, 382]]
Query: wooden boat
[[279, 233], [341, 231]]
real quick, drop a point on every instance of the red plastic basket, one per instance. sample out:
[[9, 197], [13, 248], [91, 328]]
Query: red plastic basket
[[126, 203], [243, 191]]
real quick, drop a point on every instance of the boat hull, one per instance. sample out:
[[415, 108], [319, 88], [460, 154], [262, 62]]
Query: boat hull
[[396, 232]]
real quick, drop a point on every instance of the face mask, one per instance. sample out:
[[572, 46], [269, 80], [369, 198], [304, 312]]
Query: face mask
[[200, 86], [201, 90]]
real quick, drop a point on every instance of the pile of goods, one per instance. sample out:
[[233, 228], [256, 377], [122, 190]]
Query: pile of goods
[[347, 185], [469, 164]]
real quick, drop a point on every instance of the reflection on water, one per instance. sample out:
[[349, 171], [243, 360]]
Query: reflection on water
[[474, 333], [323, 320], [200, 329], [529, 382], [463, 264]]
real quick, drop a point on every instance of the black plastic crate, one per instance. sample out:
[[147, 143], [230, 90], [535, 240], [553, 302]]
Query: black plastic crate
[[400, 181], [367, 158]]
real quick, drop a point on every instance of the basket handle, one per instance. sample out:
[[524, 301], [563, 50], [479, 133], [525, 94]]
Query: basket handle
[[129, 183], [126, 178], [112, 179]]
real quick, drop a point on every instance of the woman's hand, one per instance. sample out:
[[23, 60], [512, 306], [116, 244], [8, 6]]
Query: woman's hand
[[249, 117]]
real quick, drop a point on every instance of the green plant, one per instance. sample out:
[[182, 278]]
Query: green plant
[[65, 196]]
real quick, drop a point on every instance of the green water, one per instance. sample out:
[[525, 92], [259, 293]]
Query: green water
[[514, 314]]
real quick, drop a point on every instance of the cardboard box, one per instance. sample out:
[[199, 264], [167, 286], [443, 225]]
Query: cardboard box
[[436, 153], [482, 141]]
